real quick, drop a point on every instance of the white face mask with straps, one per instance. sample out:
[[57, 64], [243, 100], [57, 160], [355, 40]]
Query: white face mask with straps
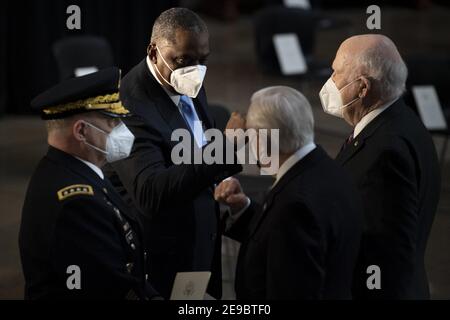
[[186, 81], [118, 142], [330, 97]]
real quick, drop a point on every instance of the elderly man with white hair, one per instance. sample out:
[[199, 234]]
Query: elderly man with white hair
[[303, 242], [393, 162]]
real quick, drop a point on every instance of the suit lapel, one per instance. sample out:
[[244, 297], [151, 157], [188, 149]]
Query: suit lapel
[[115, 198], [201, 106], [350, 150], [304, 164], [358, 143], [165, 106]]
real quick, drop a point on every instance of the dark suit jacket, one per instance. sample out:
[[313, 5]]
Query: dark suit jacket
[[394, 164], [180, 215], [82, 226], [304, 242]]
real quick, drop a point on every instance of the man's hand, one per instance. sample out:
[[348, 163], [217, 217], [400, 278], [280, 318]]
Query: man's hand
[[229, 192], [232, 132], [236, 121]]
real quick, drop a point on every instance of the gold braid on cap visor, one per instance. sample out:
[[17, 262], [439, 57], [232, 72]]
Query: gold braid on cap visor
[[109, 102]]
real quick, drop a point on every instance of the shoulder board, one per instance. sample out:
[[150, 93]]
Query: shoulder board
[[74, 190]]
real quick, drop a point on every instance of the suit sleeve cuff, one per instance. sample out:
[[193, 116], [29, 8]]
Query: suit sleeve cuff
[[233, 217]]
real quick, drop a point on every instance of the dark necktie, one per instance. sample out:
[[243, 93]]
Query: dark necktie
[[347, 142], [349, 139]]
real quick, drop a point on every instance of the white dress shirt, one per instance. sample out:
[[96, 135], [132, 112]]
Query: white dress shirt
[[176, 100], [369, 117], [94, 168], [173, 96], [293, 159], [285, 167]]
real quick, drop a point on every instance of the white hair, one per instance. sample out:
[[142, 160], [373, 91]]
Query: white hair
[[286, 109], [384, 64]]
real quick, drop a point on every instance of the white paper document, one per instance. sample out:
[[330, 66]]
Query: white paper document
[[82, 71], [429, 107], [304, 4], [290, 55], [190, 285]]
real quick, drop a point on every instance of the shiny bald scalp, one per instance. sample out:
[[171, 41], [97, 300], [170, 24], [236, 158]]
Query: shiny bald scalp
[[376, 57]]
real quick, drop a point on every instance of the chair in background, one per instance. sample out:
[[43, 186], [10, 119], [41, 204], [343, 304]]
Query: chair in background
[[272, 20], [85, 51], [324, 21]]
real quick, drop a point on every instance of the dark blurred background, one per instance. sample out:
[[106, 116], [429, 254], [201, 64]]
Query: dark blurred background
[[37, 50]]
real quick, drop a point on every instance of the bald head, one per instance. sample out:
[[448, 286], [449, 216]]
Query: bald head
[[376, 57], [366, 42]]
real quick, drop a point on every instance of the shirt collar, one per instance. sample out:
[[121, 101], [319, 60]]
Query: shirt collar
[[369, 117], [293, 159], [174, 97], [96, 169]]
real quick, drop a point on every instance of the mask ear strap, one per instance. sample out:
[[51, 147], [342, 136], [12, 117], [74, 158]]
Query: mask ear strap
[[348, 104], [92, 126], [95, 148], [157, 69], [356, 99], [91, 145], [359, 78], [164, 60]]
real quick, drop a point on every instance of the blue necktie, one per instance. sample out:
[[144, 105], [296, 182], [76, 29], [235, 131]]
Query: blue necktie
[[190, 116]]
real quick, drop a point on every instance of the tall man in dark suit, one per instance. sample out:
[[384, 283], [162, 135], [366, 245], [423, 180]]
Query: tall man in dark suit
[[303, 242], [78, 239], [165, 93], [392, 159]]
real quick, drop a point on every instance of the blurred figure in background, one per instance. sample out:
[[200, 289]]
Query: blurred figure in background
[[303, 242], [391, 158]]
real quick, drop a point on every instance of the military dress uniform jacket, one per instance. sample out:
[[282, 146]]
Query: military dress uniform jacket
[[75, 225]]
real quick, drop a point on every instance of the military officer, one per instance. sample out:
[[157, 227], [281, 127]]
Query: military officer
[[78, 239]]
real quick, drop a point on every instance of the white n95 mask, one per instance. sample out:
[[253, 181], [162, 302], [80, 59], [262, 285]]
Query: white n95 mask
[[186, 81], [118, 142], [268, 164], [331, 99]]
